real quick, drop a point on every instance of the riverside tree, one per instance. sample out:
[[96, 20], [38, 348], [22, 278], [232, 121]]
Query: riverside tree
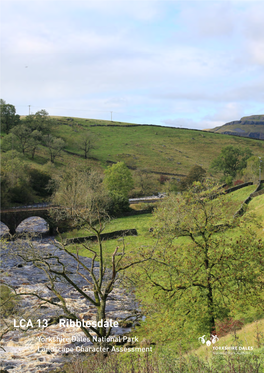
[[206, 262], [15, 184], [21, 183], [118, 181]]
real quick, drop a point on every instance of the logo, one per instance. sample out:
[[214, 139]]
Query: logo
[[208, 342]]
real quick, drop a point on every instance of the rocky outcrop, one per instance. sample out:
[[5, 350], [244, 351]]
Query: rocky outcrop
[[246, 122], [252, 126], [252, 135]]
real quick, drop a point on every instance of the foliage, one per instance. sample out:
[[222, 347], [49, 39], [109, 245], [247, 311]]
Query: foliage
[[231, 160], [78, 191], [238, 182], [117, 205], [40, 182], [229, 181], [10, 142], [171, 185], [165, 361], [54, 145], [27, 135], [84, 189], [251, 172], [40, 121], [205, 261], [162, 179], [118, 179], [196, 173], [146, 185], [21, 194], [87, 143], [7, 302], [228, 325], [23, 135], [15, 187], [20, 183], [22, 139], [8, 116]]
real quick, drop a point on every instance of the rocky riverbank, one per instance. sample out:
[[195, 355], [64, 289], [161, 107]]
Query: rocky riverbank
[[43, 349]]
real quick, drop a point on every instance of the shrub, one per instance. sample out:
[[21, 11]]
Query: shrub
[[238, 182], [39, 182], [229, 180], [7, 302], [228, 325], [162, 179], [196, 173], [21, 194], [118, 204]]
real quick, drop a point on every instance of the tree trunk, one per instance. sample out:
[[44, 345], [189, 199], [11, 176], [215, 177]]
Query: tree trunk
[[211, 320]]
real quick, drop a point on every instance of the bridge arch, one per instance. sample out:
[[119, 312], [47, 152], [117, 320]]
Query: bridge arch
[[12, 218], [3, 228], [40, 225]]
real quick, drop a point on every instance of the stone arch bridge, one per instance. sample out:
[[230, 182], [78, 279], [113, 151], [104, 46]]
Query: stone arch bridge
[[12, 217]]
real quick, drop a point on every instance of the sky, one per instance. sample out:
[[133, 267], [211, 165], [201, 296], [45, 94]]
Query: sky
[[190, 64]]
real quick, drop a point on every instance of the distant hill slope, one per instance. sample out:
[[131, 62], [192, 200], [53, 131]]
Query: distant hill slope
[[154, 149], [252, 126]]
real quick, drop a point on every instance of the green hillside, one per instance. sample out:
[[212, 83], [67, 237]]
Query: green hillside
[[156, 149], [153, 148], [153, 153]]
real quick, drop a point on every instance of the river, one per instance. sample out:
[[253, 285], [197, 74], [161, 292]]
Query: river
[[43, 349]]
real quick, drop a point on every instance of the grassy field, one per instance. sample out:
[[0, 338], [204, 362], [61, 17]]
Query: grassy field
[[241, 194], [149, 147], [256, 206], [154, 148], [142, 223]]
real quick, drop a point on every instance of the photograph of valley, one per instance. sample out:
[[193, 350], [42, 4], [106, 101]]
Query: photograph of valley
[[132, 186]]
